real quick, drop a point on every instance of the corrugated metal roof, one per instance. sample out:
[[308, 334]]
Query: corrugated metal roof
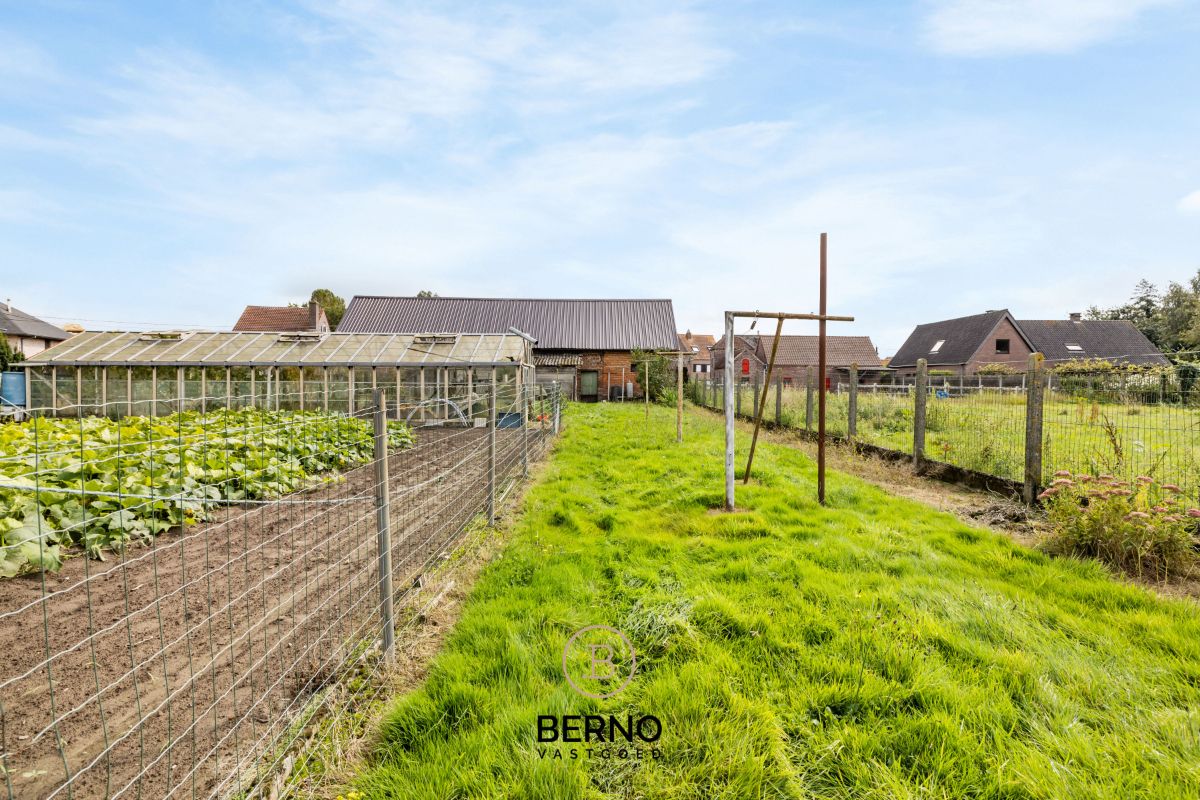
[[556, 324], [15, 322], [220, 348], [557, 360]]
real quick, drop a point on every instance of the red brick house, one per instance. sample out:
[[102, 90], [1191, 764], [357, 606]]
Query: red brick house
[[284, 319], [584, 345], [963, 345], [797, 356], [699, 345]]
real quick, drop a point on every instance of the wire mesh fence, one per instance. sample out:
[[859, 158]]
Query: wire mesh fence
[[233, 591], [1121, 422]]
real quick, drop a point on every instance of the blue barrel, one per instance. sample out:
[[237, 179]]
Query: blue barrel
[[12, 389]]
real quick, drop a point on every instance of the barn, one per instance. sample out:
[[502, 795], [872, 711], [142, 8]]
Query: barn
[[584, 345]]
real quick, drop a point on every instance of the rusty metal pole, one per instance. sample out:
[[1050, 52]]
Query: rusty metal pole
[[821, 378], [762, 399]]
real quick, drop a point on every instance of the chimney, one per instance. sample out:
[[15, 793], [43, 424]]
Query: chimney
[[314, 313], [1076, 316]]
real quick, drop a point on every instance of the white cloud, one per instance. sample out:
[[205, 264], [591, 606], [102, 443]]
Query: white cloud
[[1190, 203], [1006, 27]]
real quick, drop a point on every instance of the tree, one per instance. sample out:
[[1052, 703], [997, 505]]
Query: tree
[[8, 356], [334, 306], [426, 293], [653, 373]]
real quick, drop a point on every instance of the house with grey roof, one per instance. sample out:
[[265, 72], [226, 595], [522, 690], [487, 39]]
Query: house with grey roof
[[963, 345], [26, 333], [586, 345]]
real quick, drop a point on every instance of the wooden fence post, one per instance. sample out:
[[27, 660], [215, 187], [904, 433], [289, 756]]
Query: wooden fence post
[[754, 405], [779, 401], [737, 400], [808, 400], [920, 399], [852, 404], [1034, 396]]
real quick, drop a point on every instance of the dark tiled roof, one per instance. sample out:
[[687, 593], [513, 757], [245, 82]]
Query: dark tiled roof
[[556, 324], [960, 339], [1112, 340], [276, 318], [14, 322]]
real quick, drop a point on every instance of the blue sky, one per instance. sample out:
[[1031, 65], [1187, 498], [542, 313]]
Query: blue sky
[[167, 163]]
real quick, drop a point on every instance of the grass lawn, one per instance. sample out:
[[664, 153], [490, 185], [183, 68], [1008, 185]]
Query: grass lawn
[[872, 649], [986, 432]]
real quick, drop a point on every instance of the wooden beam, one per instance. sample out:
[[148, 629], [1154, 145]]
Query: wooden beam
[[762, 400]]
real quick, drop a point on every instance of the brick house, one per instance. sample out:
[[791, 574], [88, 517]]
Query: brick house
[[284, 319], [699, 363], [584, 345], [797, 356], [964, 345]]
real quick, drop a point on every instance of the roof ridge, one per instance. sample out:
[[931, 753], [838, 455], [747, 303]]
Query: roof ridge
[[520, 299]]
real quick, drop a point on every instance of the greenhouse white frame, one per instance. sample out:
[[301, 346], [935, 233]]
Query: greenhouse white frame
[[429, 376]]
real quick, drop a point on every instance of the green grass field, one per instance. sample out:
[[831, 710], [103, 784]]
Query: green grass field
[[871, 649], [986, 432]]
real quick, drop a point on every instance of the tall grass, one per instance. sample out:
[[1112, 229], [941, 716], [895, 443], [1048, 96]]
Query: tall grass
[[870, 649]]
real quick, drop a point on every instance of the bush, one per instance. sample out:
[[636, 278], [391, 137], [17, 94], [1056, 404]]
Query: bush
[[1142, 527]]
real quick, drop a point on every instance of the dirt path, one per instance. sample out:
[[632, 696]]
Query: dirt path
[[162, 672]]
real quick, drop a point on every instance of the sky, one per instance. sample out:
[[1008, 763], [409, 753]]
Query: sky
[[165, 164]]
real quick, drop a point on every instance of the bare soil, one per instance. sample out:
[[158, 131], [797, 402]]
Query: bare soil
[[166, 670]]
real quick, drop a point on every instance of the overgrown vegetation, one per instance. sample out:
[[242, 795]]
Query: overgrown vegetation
[[1145, 527], [8, 355], [1170, 319], [98, 483], [869, 649]]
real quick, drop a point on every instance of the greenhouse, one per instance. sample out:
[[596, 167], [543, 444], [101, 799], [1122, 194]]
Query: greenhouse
[[428, 377]]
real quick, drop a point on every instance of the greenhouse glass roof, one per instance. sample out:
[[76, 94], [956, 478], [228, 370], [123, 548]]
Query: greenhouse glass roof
[[228, 348]]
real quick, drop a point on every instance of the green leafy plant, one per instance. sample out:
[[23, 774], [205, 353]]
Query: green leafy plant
[[1141, 526], [98, 484]]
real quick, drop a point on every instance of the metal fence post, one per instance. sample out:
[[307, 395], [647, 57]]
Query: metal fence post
[[491, 468], [555, 405], [1034, 396], [920, 398], [852, 404], [383, 526], [808, 400], [525, 406]]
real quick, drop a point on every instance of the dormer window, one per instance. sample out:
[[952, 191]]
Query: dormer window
[[937, 346]]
